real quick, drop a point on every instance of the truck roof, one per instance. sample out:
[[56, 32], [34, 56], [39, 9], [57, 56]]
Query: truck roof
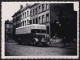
[[34, 26]]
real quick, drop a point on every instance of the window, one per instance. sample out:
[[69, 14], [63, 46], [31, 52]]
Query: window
[[30, 21], [43, 31], [48, 29], [23, 15], [39, 9], [36, 20], [32, 31], [47, 6], [30, 13], [33, 12], [42, 18], [38, 31], [25, 23], [36, 11], [43, 7], [27, 13], [33, 21], [47, 17]]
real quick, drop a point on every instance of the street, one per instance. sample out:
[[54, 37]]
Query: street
[[14, 49]]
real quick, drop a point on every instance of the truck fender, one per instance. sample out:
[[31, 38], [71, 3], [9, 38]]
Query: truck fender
[[36, 39]]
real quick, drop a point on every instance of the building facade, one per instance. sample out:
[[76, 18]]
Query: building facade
[[8, 30], [49, 14]]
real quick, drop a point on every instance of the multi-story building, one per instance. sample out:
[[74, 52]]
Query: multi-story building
[[40, 14], [8, 30], [21, 18], [48, 14]]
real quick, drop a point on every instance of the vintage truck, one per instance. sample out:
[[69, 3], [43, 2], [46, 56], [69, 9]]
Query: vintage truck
[[34, 34]]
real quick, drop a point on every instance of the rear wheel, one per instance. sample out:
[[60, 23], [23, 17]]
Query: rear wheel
[[19, 41]]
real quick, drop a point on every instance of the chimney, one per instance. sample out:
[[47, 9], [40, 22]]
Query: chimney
[[21, 6]]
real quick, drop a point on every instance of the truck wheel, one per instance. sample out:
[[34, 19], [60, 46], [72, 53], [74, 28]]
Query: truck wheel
[[34, 43], [19, 41]]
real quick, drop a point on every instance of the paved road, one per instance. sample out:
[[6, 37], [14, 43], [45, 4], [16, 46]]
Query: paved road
[[14, 49]]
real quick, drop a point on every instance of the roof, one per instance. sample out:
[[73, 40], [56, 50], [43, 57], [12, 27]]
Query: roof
[[24, 8]]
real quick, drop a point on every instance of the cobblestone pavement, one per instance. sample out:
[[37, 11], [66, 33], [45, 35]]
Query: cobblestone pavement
[[14, 49]]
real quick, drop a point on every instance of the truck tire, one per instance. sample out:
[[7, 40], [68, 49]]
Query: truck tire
[[35, 42], [19, 41]]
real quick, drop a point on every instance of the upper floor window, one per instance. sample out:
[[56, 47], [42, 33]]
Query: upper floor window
[[30, 21], [23, 15], [33, 12], [47, 17], [43, 7], [33, 21], [25, 23], [39, 9], [36, 20], [36, 11], [40, 21], [27, 13], [47, 5], [42, 18]]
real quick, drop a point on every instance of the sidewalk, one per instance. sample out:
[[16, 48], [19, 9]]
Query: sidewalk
[[67, 45], [12, 41]]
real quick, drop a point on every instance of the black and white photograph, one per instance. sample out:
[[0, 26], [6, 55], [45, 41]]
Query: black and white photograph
[[32, 30]]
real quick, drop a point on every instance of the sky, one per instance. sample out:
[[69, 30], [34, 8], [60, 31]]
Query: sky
[[9, 8]]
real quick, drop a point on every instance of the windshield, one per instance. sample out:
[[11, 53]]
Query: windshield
[[38, 31]]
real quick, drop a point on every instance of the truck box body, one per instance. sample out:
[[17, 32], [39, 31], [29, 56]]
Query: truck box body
[[27, 29]]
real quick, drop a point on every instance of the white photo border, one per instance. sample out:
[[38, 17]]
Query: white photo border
[[38, 57]]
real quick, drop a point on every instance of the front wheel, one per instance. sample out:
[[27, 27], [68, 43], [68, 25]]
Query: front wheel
[[35, 43]]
